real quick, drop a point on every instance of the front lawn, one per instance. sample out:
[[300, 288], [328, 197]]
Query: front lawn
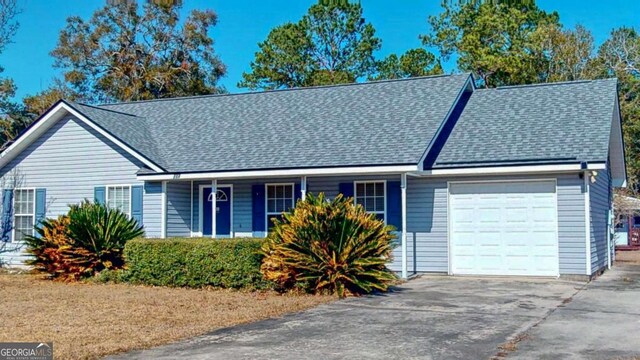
[[86, 321]]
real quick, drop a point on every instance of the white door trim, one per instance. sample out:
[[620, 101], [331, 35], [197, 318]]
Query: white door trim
[[201, 188]]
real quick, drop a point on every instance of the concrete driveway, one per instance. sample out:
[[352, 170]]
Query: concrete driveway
[[434, 317], [600, 322]]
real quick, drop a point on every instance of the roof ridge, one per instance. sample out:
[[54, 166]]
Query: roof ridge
[[284, 90], [570, 82], [109, 110]]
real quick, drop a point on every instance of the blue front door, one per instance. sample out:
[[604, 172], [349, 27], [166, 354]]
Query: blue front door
[[223, 213]]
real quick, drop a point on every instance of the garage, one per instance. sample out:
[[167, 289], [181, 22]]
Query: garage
[[503, 228]]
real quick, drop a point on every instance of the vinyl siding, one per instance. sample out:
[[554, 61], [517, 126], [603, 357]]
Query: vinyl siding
[[600, 204], [242, 203], [427, 225], [330, 186], [427, 206], [69, 160], [152, 212], [571, 226], [427, 218], [178, 209]]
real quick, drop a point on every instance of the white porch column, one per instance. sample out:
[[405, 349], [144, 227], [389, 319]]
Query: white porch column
[[403, 188], [214, 206], [303, 187]]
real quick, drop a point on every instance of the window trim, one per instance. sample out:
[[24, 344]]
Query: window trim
[[384, 188], [106, 195], [13, 209], [266, 201]]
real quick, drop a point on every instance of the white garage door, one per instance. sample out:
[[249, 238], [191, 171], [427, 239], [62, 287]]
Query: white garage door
[[503, 228]]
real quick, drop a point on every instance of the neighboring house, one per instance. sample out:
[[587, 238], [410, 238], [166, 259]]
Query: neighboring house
[[627, 230], [508, 181]]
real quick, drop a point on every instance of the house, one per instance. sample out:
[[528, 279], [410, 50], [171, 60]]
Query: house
[[508, 181], [627, 227]]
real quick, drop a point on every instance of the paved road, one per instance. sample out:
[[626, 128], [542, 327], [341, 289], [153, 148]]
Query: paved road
[[434, 317]]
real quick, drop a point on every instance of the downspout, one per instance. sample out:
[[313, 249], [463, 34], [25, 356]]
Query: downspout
[[587, 218]]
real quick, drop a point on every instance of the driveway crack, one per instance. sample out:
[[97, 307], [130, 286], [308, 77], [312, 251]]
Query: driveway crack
[[511, 345]]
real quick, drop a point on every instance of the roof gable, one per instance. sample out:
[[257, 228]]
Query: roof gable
[[536, 124], [57, 112]]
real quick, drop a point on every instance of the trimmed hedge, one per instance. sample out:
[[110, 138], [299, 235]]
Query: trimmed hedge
[[226, 263]]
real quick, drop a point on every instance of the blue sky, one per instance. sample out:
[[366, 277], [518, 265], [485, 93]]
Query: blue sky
[[243, 23]]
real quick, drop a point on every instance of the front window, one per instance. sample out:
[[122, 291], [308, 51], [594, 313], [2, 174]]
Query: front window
[[371, 195], [119, 197], [24, 213], [279, 200]]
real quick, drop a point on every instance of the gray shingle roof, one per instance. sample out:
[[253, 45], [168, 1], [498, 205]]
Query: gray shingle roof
[[379, 123], [131, 129], [546, 123]]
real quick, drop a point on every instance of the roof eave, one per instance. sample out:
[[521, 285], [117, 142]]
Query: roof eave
[[55, 113]]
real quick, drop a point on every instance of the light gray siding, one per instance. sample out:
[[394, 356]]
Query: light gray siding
[[571, 225], [330, 186], [427, 225], [69, 161], [178, 209], [152, 209], [427, 219], [242, 203], [600, 204]]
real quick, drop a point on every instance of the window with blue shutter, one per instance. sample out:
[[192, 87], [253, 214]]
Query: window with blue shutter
[[280, 198], [346, 189], [7, 215], [371, 196], [297, 194], [136, 203], [258, 208], [99, 193], [394, 204]]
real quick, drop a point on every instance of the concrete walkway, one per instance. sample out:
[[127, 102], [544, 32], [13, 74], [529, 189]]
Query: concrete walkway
[[434, 317], [601, 322]]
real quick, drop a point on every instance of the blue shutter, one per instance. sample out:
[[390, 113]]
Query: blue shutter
[[394, 204], [99, 194], [41, 204], [297, 195], [136, 203], [7, 213], [258, 213], [346, 189]]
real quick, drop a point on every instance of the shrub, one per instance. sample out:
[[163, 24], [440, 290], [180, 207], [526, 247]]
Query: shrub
[[89, 239], [49, 248], [111, 276], [226, 263], [329, 246]]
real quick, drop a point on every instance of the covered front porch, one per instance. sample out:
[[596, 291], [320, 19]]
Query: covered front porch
[[245, 207]]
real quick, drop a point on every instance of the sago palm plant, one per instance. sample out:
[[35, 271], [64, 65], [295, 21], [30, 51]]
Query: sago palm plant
[[99, 233], [89, 239], [329, 247]]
